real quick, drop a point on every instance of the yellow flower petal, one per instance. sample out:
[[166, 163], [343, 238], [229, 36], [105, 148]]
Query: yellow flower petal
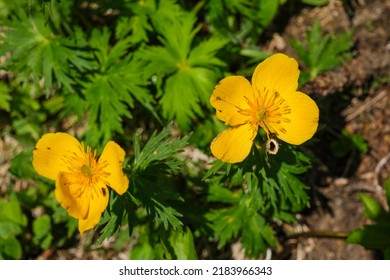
[[234, 144], [112, 159], [278, 73], [71, 195], [98, 203], [301, 123], [230, 97], [49, 151], [85, 203]]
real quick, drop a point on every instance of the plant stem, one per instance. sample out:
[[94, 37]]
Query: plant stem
[[320, 234]]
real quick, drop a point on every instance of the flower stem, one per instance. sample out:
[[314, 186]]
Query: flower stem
[[320, 234]]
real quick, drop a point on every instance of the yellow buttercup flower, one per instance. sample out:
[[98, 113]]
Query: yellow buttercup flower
[[81, 177], [271, 101]]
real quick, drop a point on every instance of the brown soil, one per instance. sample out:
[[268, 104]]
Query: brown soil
[[358, 95]]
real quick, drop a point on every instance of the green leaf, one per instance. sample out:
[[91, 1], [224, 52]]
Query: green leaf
[[347, 143], [254, 53], [257, 236], [219, 193], [110, 227], [114, 217], [11, 211], [8, 229], [151, 178], [183, 244], [267, 11], [146, 249], [137, 25], [227, 222], [216, 166], [21, 165], [157, 197], [220, 13], [59, 217], [143, 251], [5, 97], [164, 12], [322, 52], [275, 186], [166, 215], [27, 127], [160, 148], [180, 101], [373, 209], [106, 109], [112, 91], [41, 226], [186, 73], [203, 54], [38, 51], [371, 236], [42, 231], [10, 248]]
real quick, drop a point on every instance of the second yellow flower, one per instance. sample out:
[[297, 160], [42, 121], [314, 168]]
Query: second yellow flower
[[271, 102]]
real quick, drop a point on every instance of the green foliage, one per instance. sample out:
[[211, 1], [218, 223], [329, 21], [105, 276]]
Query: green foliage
[[113, 88], [151, 177], [12, 224], [185, 73], [5, 97], [377, 235], [168, 245], [241, 19], [42, 231], [151, 186], [46, 229], [271, 189], [37, 49], [348, 143], [159, 149], [321, 52]]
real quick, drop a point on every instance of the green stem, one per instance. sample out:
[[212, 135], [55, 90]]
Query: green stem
[[320, 234]]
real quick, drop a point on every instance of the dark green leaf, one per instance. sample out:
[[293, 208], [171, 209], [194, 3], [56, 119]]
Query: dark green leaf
[[371, 236], [160, 148], [386, 253]]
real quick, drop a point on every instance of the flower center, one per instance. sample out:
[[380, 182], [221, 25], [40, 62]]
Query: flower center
[[270, 111], [261, 115], [86, 170]]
